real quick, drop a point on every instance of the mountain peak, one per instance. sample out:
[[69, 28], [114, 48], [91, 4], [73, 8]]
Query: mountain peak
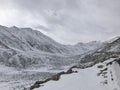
[[113, 39]]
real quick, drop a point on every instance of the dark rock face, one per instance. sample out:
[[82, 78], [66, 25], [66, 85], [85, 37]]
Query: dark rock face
[[99, 57], [100, 66], [35, 86], [102, 72], [118, 61]]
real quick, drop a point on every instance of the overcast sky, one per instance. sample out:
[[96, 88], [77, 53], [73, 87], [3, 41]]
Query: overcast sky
[[66, 21]]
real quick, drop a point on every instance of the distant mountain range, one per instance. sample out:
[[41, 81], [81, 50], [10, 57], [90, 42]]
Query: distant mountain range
[[24, 47]]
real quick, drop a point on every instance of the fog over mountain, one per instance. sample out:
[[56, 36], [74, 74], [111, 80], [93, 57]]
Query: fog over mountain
[[66, 21]]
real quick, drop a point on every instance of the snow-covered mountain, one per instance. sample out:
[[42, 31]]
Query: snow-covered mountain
[[97, 77], [110, 49], [100, 71], [89, 46], [27, 55], [23, 47]]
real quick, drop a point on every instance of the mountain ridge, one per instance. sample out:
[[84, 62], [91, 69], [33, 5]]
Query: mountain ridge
[[25, 46]]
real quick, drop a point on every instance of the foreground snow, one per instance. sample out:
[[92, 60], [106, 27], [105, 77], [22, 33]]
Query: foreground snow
[[85, 79]]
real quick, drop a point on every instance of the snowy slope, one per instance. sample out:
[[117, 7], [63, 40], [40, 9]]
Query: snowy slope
[[86, 79], [108, 50], [88, 46], [103, 75]]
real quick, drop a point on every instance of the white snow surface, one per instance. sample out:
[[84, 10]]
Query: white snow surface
[[85, 79]]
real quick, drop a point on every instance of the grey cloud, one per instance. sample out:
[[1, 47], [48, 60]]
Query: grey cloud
[[67, 21]]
